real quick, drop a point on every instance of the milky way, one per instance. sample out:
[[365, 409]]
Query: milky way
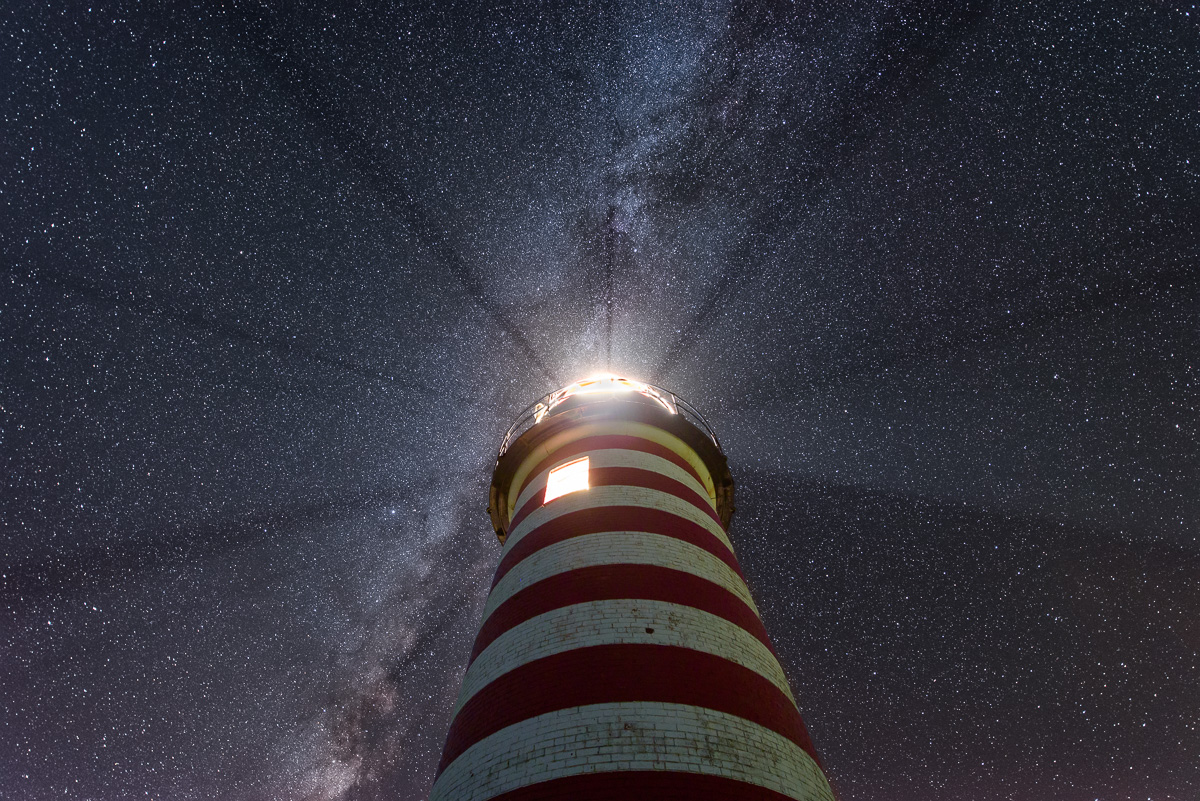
[[276, 282]]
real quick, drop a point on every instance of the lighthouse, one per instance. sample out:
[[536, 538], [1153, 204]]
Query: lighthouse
[[621, 655]]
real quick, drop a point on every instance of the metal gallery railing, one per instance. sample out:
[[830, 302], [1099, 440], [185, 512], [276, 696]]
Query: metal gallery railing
[[537, 411]]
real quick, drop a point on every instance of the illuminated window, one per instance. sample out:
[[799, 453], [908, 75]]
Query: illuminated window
[[565, 478]]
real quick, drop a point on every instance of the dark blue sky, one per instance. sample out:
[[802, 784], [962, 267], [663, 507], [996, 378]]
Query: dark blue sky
[[276, 282]]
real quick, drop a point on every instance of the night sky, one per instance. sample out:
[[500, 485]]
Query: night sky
[[276, 282]]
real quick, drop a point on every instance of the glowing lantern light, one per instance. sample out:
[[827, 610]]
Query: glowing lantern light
[[569, 477], [604, 382]]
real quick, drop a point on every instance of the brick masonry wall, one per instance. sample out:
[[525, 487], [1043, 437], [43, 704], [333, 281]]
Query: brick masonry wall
[[624, 620], [620, 641], [639, 736], [616, 548], [597, 497], [608, 582], [620, 457], [600, 436]]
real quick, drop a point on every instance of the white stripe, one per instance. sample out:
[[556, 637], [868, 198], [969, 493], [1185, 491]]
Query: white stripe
[[597, 497], [621, 457], [616, 548], [599, 738], [582, 430], [620, 621]]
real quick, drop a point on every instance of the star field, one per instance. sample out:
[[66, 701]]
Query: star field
[[275, 282]]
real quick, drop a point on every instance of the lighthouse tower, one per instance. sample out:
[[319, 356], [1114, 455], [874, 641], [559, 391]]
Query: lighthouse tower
[[620, 654]]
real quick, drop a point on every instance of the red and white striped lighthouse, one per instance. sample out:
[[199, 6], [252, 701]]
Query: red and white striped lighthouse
[[620, 654]]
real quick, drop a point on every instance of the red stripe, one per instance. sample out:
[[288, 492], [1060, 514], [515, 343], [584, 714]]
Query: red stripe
[[615, 518], [611, 582], [642, 785], [602, 674], [604, 442], [626, 477]]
